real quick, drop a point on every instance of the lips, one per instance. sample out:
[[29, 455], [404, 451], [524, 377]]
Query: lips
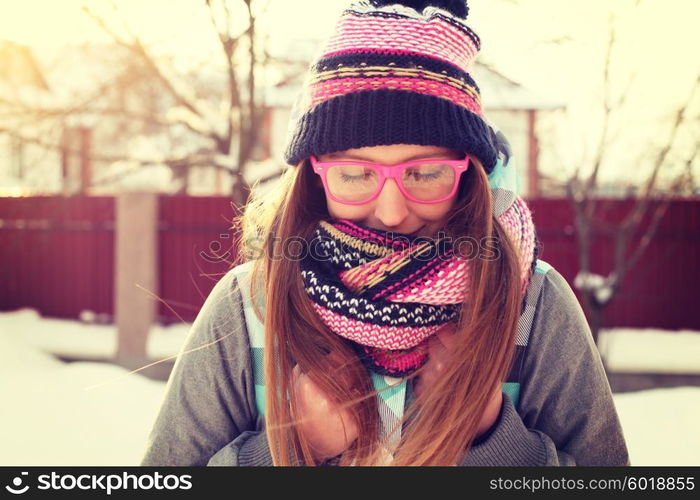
[[415, 233]]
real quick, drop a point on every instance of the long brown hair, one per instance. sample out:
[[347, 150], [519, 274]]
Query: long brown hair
[[443, 421]]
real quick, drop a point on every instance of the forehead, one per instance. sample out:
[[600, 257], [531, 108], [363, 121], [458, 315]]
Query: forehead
[[393, 153]]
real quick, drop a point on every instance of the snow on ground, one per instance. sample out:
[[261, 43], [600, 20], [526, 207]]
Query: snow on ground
[[77, 339], [661, 425], [83, 413], [651, 350], [87, 413]]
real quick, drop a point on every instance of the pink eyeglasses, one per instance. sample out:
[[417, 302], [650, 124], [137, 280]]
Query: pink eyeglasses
[[424, 181]]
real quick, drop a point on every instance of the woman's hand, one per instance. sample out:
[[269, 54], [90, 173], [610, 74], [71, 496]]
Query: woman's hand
[[439, 350], [329, 431]]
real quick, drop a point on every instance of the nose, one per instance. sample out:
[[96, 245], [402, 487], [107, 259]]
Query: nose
[[391, 207]]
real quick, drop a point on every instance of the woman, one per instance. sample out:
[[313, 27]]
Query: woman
[[400, 314]]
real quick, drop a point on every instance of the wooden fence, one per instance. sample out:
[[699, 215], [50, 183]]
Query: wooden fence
[[58, 257]]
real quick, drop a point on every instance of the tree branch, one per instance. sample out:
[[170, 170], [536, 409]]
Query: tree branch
[[640, 207], [136, 46], [590, 184], [200, 159], [633, 220], [228, 45]]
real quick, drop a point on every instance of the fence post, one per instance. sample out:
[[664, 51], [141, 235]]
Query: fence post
[[136, 274]]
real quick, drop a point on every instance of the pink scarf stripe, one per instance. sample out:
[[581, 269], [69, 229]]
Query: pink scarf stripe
[[354, 278], [513, 221], [382, 337], [451, 279], [409, 280], [524, 229], [398, 361], [349, 228], [329, 89], [387, 292]]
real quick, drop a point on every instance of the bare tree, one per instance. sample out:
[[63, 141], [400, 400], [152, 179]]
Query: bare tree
[[222, 136], [243, 111], [650, 203]]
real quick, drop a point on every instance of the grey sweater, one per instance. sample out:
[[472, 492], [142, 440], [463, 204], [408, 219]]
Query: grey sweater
[[566, 414]]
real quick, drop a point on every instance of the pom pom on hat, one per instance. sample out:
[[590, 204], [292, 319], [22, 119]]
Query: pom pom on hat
[[457, 8]]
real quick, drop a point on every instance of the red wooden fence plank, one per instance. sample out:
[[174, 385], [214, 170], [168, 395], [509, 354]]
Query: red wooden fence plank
[[50, 247], [195, 251]]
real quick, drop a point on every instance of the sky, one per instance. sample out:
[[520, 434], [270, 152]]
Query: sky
[[555, 48], [513, 32]]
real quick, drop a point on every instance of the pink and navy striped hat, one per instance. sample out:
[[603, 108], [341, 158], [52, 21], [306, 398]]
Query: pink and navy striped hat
[[394, 72]]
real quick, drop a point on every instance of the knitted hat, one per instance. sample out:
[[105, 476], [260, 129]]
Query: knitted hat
[[394, 72]]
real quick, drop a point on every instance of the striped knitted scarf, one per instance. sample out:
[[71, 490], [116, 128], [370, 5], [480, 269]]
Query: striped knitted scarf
[[387, 293]]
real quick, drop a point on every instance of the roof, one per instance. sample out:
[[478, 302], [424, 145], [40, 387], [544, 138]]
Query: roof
[[18, 67], [498, 92]]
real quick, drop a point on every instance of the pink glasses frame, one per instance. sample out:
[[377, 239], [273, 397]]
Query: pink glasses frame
[[391, 172]]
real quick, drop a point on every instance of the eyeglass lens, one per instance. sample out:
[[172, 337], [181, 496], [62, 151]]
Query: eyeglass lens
[[355, 183]]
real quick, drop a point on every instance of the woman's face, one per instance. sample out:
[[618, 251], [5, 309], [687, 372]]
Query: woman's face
[[391, 210]]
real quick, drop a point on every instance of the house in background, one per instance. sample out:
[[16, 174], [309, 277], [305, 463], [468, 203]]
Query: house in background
[[21, 81], [515, 109], [88, 145], [42, 149], [60, 129]]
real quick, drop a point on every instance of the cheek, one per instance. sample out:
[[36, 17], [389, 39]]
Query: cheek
[[352, 212], [429, 213], [433, 213]]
